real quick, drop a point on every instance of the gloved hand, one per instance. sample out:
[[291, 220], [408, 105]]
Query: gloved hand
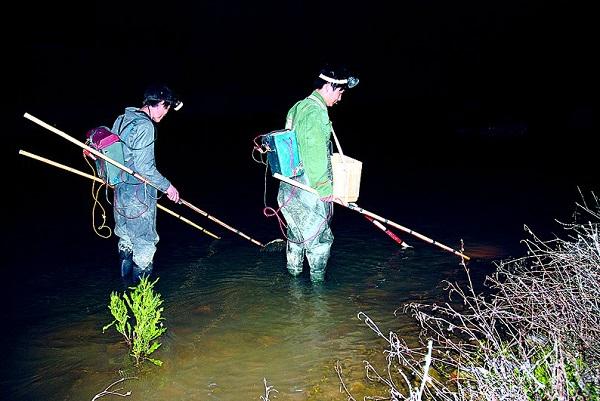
[[173, 193]]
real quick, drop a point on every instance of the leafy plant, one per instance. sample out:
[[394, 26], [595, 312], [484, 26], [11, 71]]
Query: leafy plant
[[145, 306]]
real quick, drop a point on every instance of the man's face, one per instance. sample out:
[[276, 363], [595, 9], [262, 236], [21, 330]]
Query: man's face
[[332, 96], [159, 111]]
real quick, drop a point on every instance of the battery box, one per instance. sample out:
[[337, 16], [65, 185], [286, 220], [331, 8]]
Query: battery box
[[109, 144], [282, 153]]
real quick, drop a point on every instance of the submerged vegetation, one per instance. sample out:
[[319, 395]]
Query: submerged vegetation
[[145, 306], [533, 335]]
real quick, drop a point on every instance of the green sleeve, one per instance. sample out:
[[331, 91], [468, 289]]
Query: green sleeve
[[313, 132]]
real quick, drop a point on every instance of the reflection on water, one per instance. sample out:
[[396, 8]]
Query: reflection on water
[[233, 315]]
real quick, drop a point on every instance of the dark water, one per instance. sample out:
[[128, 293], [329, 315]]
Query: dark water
[[233, 314]]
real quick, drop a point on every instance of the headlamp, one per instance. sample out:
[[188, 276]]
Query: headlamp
[[162, 93], [350, 82]]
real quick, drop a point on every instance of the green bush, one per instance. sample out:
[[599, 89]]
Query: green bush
[[145, 306]]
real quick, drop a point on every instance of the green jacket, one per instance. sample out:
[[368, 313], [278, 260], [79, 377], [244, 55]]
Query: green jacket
[[310, 120]]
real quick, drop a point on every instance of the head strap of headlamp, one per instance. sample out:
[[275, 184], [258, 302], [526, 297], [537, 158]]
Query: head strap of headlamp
[[350, 82]]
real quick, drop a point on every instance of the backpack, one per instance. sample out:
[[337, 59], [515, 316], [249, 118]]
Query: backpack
[[282, 153], [112, 145], [109, 144]]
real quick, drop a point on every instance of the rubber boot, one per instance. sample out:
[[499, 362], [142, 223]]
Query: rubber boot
[[295, 258], [126, 262], [138, 272]]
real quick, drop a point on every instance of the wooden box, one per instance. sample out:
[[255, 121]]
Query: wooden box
[[346, 177]]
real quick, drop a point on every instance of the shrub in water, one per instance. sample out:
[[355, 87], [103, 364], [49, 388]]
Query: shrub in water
[[145, 306]]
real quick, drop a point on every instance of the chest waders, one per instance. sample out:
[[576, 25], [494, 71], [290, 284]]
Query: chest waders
[[307, 218]]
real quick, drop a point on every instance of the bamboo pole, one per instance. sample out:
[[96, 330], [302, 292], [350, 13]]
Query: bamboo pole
[[356, 208], [389, 232], [136, 175], [94, 178]]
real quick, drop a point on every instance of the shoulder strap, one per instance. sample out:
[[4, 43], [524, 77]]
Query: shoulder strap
[[121, 128], [317, 101], [123, 134], [337, 142], [289, 123]]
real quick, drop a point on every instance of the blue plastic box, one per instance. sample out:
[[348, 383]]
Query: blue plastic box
[[283, 155]]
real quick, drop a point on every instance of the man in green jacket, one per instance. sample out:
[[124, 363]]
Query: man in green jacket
[[308, 215]]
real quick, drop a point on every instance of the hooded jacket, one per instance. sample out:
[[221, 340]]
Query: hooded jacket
[[137, 132]]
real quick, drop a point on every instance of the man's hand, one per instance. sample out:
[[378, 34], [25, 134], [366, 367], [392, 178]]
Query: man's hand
[[329, 198], [173, 194]]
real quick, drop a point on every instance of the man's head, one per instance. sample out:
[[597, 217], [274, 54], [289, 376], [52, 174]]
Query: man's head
[[159, 99], [332, 82]]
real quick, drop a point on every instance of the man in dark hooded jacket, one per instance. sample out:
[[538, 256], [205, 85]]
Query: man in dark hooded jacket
[[135, 202]]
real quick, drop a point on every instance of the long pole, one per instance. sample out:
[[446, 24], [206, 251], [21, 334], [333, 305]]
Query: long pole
[[91, 177], [136, 175], [389, 232], [314, 191], [356, 208]]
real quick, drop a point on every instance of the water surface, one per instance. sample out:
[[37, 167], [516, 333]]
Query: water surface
[[234, 316]]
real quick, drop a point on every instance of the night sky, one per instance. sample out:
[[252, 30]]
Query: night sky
[[461, 64], [465, 84]]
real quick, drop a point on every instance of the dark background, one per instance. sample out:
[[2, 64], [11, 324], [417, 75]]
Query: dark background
[[472, 119], [462, 106]]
